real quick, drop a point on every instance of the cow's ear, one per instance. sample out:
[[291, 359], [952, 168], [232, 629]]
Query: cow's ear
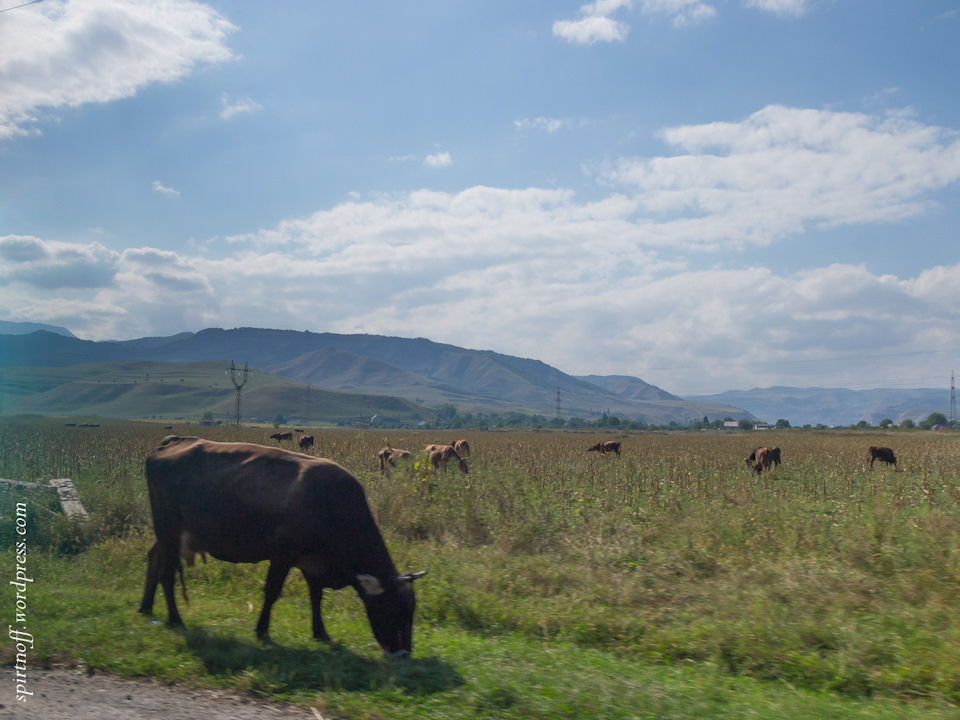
[[410, 577], [371, 586]]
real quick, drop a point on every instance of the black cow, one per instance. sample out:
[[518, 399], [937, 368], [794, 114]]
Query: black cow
[[280, 437], [883, 454], [245, 503], [306, 442], [606, 446]]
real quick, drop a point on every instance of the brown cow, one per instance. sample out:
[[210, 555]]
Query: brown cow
[[280, 437], [766, 456], [774, 456], [883, 454], [606, 446], [441, 454], [389, 456], [306, 442], [247, 503]]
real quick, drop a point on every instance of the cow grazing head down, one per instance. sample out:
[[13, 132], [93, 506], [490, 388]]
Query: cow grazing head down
[[883, 454], [765, 458], [390, 608], [611, 446], [240, 502], [440, 455], [387, 458]]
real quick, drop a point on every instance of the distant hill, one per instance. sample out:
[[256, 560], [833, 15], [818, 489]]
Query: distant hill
[[417, 370], [184, 391], [25, 328], [630, 387], [835, 406]]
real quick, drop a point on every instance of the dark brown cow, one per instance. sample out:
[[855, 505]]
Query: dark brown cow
[[247, 503], [441, 454], [306, 442], [280, 437], [606, 446], [883, 454], [766, 456], [774, 456], [387, 457]]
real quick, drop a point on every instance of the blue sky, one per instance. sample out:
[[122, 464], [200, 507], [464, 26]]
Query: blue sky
[[705, 194]]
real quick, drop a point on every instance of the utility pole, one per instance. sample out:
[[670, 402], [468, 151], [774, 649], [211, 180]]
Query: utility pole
[[953, 403], [238, 384], [558, 402], [306, 406]]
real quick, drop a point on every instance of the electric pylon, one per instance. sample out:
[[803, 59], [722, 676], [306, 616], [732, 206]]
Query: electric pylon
[[238, 384]]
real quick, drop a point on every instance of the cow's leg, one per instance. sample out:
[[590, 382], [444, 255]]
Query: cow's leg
[[168, 562], [316, 600], [276, 574], [150, 588]]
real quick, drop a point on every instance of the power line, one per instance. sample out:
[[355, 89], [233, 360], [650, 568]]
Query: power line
[[32, 2]]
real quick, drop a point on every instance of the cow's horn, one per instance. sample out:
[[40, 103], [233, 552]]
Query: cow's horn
[[371, 586], [410, 577]]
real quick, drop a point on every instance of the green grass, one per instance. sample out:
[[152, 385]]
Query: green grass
[[670, 583], [85, 608]]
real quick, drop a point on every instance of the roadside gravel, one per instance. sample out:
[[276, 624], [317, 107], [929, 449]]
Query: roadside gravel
[[75, 695]]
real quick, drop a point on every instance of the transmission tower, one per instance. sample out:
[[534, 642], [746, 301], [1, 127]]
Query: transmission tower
[[953, 402], [238, 384], [306, 405]]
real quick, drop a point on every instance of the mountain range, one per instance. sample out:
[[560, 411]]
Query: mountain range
[[427, 374], [424, 372]]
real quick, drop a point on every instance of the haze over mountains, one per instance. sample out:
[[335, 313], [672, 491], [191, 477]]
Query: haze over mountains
[[432, 374]]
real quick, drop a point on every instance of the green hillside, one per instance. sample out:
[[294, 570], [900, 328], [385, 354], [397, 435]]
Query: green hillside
[[183, 391]]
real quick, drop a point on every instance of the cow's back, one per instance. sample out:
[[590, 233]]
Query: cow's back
[[247, 503]]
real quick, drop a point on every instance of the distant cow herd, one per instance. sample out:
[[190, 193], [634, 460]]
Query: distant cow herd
[[244, 503]]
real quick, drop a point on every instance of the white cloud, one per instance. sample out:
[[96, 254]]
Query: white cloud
[[532, 279], [770, 175], [237, 107], [50, 265], [596, 23], [159, 187], [550, 125], [540, 273], [784, 8], [67, 53], [437, 160]]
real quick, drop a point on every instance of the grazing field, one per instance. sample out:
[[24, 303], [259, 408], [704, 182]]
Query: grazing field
[[671, 582]]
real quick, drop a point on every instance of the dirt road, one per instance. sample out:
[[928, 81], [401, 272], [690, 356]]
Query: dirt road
[[74, 695]]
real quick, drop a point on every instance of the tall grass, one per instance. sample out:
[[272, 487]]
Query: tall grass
[[820, 574]]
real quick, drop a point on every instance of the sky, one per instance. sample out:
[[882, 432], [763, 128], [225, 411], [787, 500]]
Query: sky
[[705, 194]]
